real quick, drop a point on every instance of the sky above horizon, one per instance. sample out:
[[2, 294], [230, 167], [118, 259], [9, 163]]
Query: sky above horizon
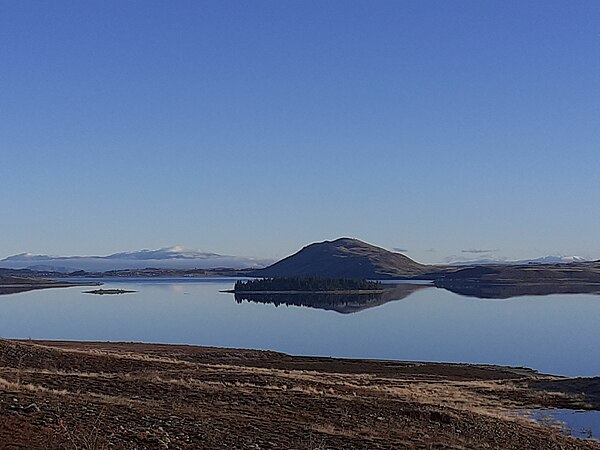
[[445, 129]]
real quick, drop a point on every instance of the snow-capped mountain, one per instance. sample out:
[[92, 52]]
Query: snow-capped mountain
[[553, 259], [164, 258]]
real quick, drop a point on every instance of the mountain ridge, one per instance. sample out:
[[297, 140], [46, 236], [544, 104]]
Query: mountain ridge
[[550, 259], [163, 258]]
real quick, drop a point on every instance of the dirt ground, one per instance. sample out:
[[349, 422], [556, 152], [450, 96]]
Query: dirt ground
[[74, 395]]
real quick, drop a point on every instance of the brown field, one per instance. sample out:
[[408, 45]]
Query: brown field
[[73, 395]]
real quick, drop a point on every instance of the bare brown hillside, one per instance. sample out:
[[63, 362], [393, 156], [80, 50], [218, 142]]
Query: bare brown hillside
[[66, 395]]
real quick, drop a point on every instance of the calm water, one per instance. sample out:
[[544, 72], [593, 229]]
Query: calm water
[[555, 334], [581, 424]]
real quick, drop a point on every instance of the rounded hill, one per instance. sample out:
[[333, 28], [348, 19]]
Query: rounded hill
[[345, 258]]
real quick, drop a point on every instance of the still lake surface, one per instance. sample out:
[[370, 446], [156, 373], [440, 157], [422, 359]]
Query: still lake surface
[[557, 334]]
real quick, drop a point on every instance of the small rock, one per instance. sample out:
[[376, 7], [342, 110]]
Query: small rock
[[33, 408]]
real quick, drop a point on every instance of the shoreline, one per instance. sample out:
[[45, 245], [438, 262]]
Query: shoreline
[[15, 288], [182, 396]]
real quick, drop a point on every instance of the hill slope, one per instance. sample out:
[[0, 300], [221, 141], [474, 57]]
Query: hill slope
[[505, 281], [347, 258]]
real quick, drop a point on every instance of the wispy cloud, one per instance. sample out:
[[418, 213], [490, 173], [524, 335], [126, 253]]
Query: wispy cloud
[[479, 250], [398, 249]]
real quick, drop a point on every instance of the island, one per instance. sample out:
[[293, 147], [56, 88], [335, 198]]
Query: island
[[307, 284], [109, 291]]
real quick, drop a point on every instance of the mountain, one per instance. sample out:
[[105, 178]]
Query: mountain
[[164, 258], [553, 259], [347, 258], [164, 253]]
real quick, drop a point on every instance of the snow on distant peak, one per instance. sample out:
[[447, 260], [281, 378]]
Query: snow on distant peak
[[556, 260], [176, 252], [27, 257], [552, 259], [164, 258]]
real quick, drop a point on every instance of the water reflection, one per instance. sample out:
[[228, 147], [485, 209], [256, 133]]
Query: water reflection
[[503, 291], [341, 303], [555, 334]]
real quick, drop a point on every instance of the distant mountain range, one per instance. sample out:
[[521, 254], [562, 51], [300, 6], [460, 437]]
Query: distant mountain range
[[343, 257], [164, 258], [543, 260], [347, 258]]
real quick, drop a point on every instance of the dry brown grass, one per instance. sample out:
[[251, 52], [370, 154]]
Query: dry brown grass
[[193, 403]]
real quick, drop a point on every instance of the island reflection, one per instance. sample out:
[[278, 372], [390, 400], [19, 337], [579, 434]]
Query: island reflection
[[341, 303]]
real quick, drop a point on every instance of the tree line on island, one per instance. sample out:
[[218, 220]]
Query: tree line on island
[[307, 284]]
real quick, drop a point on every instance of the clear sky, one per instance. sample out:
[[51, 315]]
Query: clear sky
[[255, 127]]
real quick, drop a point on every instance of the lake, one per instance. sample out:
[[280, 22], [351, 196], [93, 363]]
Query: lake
[[581, 424], [556, 334]]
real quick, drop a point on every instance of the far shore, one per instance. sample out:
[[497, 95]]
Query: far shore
[[15, 288]]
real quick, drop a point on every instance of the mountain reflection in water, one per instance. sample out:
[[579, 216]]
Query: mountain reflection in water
[[341, 303], [486, 290]]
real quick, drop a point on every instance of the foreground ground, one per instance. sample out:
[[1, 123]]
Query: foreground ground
[[70, 395]]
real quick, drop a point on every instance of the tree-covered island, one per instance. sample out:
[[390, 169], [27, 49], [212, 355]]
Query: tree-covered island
[[307, 284]]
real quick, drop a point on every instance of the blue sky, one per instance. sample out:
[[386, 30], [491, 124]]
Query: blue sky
[[254, 128]]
